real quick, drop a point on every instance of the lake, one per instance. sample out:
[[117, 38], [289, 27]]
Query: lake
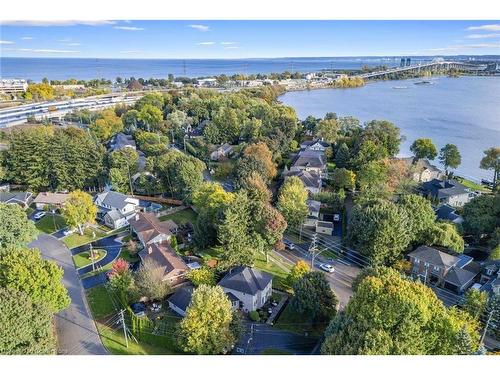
[[464, 111]]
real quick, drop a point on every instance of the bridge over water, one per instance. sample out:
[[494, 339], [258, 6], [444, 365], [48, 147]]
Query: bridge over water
[[430, 66]]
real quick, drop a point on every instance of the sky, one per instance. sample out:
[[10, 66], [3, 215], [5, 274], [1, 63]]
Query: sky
[[246, 39]]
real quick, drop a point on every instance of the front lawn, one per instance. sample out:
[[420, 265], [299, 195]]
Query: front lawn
[[275, 267], [75, 239], [50, 223], [99, 302], [292, 321], [83, 259], [181, 217]]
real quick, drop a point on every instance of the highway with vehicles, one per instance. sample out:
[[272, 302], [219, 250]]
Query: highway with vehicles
[[58, 109]]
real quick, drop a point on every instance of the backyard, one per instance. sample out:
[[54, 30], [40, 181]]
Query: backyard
[[181, 217]]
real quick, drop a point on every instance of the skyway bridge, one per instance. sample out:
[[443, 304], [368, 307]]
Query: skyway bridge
[[430, 66]]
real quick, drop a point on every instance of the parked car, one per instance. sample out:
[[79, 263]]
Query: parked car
[[289, 245], [39, 215], [67, 232], [336, 217], [327, 267], [138, 308]]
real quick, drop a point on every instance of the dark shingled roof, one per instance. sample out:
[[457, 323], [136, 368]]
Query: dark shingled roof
[[113, 199], [315, 159], [446, 212], [182, 297], [444, 189], [246, 280], [14, 196], [309, 178], [150, 226], [459, 276], [306, 144], [434, 256]]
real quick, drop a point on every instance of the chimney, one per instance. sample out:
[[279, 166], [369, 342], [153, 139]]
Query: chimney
[[150, 249], [136, 217]]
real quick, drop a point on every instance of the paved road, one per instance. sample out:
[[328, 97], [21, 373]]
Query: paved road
[[112, 245], [258, 337], [76, 330]]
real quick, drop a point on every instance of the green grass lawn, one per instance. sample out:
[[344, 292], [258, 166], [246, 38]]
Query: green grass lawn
[[275, 267], [99, 302], [82, 259], [181, 217], [292, 321], [75, 239], [472, 185], [131, 258], [50, 223]]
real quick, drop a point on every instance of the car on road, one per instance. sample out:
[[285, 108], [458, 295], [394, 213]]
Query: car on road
[[327, 267], [67, 232], [289, 245], [139, 309], [39, 215]]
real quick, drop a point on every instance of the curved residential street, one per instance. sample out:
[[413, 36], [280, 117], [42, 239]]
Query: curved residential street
[[76, 330]]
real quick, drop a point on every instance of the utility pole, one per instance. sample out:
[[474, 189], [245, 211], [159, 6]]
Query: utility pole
[[312, 249], [122, 320], [92, 257], [486, 327]]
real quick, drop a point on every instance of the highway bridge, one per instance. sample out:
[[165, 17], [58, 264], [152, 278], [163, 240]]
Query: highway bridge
[[58, 109], [436, 64]]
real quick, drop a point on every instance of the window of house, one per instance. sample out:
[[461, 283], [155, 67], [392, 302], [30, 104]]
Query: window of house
[[426, 264], [436, 269], [417, 261]]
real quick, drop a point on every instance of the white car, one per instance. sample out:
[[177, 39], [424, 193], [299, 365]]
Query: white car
[[38, 215], [327, 267]]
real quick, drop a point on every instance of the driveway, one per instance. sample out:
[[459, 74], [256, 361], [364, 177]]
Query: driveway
[[112, 245], [76, 330], [259, 337]]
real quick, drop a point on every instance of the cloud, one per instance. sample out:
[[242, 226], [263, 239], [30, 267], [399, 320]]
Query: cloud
[[57, 23], [227, 43], [73, 44], [27, 38], [6, 42], [202, 28], [128, 28], [205, 43], [461, 47], [43, 50], [483, 36], [130, 51], [495, 27]]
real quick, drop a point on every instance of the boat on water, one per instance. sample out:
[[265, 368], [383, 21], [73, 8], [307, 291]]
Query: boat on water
[[423, 83], [399, 87]]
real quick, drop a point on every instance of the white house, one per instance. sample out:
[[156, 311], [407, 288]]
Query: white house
[[116, 208], [223, 151], [314, 145], [249, 285]]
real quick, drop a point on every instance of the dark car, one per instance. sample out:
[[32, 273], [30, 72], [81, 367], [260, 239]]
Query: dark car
[[138, 308]]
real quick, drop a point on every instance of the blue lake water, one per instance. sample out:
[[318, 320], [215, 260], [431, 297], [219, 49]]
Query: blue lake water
[[464, 111], [79, 68]]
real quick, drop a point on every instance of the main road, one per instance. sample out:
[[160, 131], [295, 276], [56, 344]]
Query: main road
[[76, 330]]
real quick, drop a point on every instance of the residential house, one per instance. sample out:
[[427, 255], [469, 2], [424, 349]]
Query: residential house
[[150, 230], [324, 227], [121, 141], [423, 170], [22, 198], [116, 209], [449, 192], [250, 286], [47, 200], [310, 179], [313, 215], [310, 161], [490, 277], [314, 145], [446, 212], [180, 300], [222, 152], [173, 268], [456, 273]]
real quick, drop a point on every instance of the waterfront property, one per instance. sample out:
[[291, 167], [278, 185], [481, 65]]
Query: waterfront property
[[449, 192], [423, 170]]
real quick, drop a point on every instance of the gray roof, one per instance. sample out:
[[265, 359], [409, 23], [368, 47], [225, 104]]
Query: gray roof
[[122, 140], [246, 280], [114, 214], [182, 297], [459, 276], [434, 256], [113, 199], [446, 212], [14, 196], [325, 224], [444, 189], [314, 206], [315, 159], [306, 144], [309, 178]]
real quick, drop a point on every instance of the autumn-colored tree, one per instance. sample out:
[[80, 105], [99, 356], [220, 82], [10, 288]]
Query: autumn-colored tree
[[292, 201], [299, 269], [256, 158], [79, 210]]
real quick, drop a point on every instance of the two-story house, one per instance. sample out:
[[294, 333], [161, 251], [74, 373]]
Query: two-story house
[[432, 266], [449, 192], [310, 161], [249, 285], [422, 170], [116, 209], [314, 145], [221, 152], [310, 179]]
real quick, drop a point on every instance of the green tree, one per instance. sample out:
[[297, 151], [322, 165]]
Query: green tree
[[152, 144], [292, 201], [420, 214], [202, 276], [154, 99], [130, 120], [373, 175], [122, 281], [299, 269], [343, 179], [491, 161], [495, 253], [446, 235], [150, 116], [380, 231], [423, 148], [342, 156], [26, 326], [16, 230], [206, 329], [257, 158], [24, 270], [464, 344], [475, 302], [327, 130], [149, 281], [481, 215], [385, 134], [79, 210], [450, 157], [390, 314], [119, 180], [314, 298]]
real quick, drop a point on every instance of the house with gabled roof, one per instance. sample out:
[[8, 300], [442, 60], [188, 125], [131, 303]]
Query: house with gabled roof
[[149, 229], [449, 192], [50, 200], [180, 300], [314, 145], [309, 161], [310, 179], [21, 198], [250, 286], [116, 209]]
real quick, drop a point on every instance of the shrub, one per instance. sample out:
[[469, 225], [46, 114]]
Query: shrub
[[254, 315]]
